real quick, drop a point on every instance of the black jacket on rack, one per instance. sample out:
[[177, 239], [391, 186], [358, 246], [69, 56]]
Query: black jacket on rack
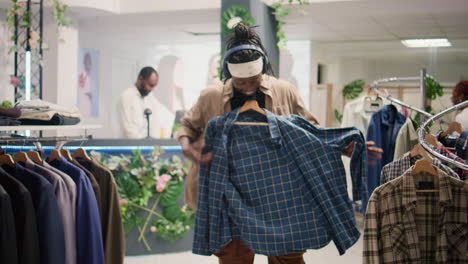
[[27, 243]]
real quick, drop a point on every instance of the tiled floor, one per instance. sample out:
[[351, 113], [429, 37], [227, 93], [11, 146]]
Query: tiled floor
[[326, 255]]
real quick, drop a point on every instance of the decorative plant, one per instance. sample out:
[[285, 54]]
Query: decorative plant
[[6, 104], [59, 14], [433, 89], [229, 19], [152, 185], [282, 9], [338, 115], [232, 16], [19, 83], [353, 89], [19, 11]]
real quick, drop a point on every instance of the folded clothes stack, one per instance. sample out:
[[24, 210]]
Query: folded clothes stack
[[38, 112], [8, 116]]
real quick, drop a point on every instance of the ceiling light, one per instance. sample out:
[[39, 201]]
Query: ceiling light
[[425, 43]]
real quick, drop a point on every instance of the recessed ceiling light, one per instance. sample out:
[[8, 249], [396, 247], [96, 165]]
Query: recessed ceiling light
[[425, 43]]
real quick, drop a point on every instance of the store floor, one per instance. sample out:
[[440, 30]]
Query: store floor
[[326, 255]]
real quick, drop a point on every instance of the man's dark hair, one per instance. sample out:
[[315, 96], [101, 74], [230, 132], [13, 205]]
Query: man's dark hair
[[243, 34], [146, 72]]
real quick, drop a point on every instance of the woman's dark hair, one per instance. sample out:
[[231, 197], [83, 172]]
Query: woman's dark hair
[[146, 72], [243, 34], [462, 88]]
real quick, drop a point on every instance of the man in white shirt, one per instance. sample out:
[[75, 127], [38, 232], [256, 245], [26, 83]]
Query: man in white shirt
[[459, 95], [138, 98]]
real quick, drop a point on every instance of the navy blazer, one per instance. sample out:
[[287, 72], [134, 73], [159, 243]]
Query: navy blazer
[[89, 243], [48, 218]]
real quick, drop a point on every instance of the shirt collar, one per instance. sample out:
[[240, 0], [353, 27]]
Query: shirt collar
[[409, 190], [389, 115], [272, 123]]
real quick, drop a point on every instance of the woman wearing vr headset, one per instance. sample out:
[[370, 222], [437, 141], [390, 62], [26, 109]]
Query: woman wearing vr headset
[[248, 76]]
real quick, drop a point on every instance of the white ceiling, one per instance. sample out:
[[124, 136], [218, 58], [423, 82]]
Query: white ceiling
[[329, 21], [380, 20], [326, 20]]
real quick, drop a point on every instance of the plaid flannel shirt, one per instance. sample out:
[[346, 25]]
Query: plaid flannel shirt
[[396, 168], [447, 153], [280, 188], [403, 226]]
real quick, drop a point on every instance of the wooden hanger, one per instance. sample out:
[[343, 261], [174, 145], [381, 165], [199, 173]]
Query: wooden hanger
[[423, 165], [54, 155], [34, 156], [419, 150], [66, 154], [81, 153], [432, 140], [453, 127], [21, 157], [6, 159], [251, 105]]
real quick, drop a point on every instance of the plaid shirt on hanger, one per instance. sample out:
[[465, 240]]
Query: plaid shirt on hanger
[[403, 226], [280, 188], [396, 168], [447, 153]]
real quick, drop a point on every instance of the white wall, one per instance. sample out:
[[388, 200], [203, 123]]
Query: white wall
[[6, 65]]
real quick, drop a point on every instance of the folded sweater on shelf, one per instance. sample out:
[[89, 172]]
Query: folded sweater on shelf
[[40, 106]]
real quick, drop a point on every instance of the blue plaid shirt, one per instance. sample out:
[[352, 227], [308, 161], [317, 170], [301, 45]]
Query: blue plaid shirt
[[280, 188]]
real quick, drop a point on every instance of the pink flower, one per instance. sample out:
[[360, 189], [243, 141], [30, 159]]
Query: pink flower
[[14, 81], [123, 202], [153, 229], [161, 182]]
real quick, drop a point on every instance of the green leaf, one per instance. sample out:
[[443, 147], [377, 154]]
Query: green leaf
[[172, 212], [353, 89], [171, 195], [338, 116], [7, 104]]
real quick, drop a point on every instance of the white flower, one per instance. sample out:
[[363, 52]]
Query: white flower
[[153, 229], [233, 22], [187, 227], [96, 154], [176, 159]]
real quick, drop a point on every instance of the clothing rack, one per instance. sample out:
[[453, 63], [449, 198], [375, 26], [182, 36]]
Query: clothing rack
[[394, 100], [422, 134], [37, 141]]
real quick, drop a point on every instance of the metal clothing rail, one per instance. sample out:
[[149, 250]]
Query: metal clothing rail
[[375, 84], [37, 141], [422, 134]]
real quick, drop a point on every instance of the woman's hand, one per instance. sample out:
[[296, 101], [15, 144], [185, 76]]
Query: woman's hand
[[193, 151], [373, 153]]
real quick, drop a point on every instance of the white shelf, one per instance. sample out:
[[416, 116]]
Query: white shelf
[[22, 128]]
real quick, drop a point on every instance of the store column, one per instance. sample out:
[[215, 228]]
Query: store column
[[267, 23], [60, 69]]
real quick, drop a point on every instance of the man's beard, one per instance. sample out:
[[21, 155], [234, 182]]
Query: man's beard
[[142, 90]]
